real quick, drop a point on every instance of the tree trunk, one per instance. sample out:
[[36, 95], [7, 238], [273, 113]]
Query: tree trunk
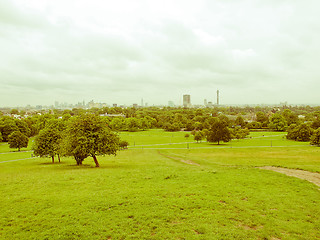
[[59, 157], [95, 161], [52, 159]]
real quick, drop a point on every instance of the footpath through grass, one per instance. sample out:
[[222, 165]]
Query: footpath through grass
[[142, 194]]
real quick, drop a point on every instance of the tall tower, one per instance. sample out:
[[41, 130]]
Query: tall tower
[[141, 102], [186, 101], [217, 97]]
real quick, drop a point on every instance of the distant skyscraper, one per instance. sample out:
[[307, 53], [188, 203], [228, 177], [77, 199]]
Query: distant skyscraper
[[141, 102], [217, 97], [186, 101], [205, 102]]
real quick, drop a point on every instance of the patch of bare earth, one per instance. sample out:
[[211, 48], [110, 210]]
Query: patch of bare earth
[[302, 174], [179, 159]]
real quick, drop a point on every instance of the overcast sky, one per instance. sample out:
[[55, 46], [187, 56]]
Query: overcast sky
[[253, 51]]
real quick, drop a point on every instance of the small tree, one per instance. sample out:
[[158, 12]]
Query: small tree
[[18, 140], [315, 138], [47, 143], [239, 133], [187, 135], [218, 131], [1, 139], [123, 144], [198, 136]]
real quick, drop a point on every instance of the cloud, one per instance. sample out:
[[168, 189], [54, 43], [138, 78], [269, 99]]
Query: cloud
[[118, 52]]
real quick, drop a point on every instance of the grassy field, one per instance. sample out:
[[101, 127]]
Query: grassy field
[[148, 192]]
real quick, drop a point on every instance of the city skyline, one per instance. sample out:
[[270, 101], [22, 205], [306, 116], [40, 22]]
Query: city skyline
[[254, 52]]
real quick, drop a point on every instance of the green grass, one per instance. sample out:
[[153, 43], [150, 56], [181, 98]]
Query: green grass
[[142, 194], [161, 139]]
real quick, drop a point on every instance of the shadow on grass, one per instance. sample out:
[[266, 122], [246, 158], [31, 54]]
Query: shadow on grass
[[221, 144], [91, 166], [50, 163]]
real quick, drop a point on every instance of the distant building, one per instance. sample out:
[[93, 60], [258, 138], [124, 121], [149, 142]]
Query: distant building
[[114, 105], [186, 101], [135, 105], [170, 104], [218, 100], [205, 102]]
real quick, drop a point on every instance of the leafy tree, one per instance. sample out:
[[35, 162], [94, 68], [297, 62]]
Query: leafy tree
[[31, 122], [254, 125], [204, 133], [23, 127], [315, 138], [187, 135], [239, 133], [224, 120], [152, 121], [300, 132], [240, 121], [17, 140], [132, 124], [1, 138], [43, 120], [262, 118], [7, 126], [198, 136], [88, 135], [172, 127], [117, 124], [292, 132], [47, 143], [278, 122], [189, 125], [198, 126], [145, 124], [218, 131], [315, 120], [290, 117]]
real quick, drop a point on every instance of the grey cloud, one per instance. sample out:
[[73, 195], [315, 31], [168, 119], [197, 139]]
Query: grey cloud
[[255, 46]]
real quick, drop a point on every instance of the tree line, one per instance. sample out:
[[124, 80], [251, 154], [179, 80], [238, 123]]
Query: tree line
[[201, 122]]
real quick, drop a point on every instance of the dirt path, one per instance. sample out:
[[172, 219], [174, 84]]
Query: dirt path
[[309, 176], [179, 159]]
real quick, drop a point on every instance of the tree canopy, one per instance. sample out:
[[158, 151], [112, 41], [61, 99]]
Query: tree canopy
[[300, 132], [315, 138], [278, 122], [88, 135], [18, 140], [47, 143], [218, 131]]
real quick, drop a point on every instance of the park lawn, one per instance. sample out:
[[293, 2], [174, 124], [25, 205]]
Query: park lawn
[[142, 194], [304, 158], [158, 138]]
